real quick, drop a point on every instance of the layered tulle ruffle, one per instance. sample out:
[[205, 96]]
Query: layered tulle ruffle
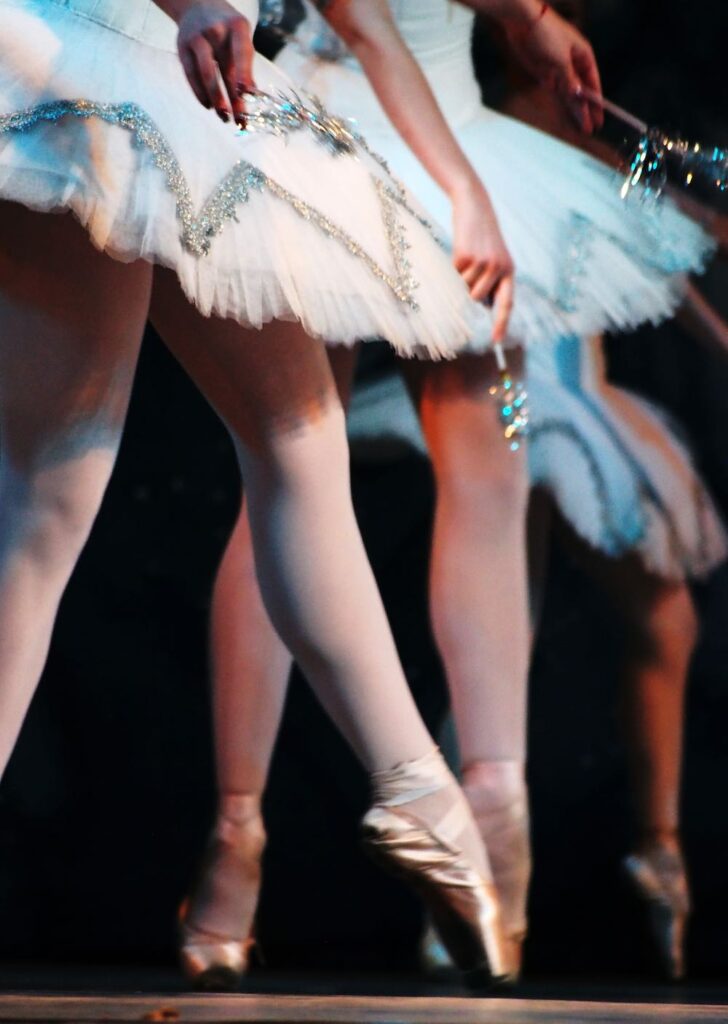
[[293, 219], [586, 260], [616, 468]]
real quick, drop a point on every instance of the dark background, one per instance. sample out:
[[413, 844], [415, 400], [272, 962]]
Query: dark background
[[108, 798]]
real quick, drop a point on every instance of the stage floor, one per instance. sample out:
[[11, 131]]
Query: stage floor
[[255, 1009], [92, 995]]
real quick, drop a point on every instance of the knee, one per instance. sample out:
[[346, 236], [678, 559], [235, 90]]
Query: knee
[[678, 621], [666, 628], [45, 517], [489, 480], [307, 453]]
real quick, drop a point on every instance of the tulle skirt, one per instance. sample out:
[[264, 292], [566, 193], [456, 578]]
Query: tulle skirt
[[292, 219], [616, 467], [586, 260]]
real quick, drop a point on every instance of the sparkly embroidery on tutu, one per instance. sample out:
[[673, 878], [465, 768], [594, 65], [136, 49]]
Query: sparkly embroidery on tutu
[[281, 113], [198, 231]]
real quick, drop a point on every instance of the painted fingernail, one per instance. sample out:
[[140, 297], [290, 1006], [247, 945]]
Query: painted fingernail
[[222, 114]]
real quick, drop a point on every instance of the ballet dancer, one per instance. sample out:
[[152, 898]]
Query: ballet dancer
[[548, 198], [630, 506], [633, 510], [255, 248]]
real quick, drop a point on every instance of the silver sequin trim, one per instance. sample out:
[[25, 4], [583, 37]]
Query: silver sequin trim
[[198, 232], [283, 113]]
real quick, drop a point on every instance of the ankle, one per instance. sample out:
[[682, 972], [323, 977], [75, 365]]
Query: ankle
[[495, 782], [238, 808], [240, 821], [660, 840], [409, 780]]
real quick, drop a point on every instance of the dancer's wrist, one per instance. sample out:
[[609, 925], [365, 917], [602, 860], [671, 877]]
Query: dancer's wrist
[[464, 183], [518, 14], [177, 9]]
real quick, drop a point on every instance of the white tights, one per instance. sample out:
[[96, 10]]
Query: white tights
[[478, 599], [71, 322]]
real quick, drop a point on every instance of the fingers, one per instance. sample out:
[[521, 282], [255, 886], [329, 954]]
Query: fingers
[[490, 281], [236, 65], [207, 73], [586, 67], [484, 284], [570, 88], [502, 308], [216, 51], [190, 69]]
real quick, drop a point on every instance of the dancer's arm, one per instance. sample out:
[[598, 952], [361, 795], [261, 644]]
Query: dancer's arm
[[538, 109], [480, 254], [550, 49], [215, 45], [703, 321]]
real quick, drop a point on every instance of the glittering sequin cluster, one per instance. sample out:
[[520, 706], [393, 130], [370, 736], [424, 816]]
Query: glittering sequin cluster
[[511, 398], [647, 165], [278, 115], [284, 113]]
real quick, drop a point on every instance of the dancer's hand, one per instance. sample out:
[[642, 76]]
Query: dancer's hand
[[215, 44], [559, 56], [480, 254]]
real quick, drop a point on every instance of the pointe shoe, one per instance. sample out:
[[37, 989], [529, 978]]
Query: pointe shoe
[[463, 905], [215, 956], [498, 797], [658, 877]]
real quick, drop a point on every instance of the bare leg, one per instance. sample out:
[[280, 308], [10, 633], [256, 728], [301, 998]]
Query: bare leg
[[479, 602], [479, 607], [71, 322], [660, 636]]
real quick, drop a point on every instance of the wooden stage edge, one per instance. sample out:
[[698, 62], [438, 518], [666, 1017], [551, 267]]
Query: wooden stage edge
[[256, 1009]]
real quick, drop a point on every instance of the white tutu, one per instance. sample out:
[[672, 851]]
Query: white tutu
[[618, 473], [585, 259], [291, 220], [615, 468]]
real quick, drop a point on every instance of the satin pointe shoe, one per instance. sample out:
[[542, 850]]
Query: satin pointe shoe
[[462, 903], [498, 797], [657, 875], [216, 921]]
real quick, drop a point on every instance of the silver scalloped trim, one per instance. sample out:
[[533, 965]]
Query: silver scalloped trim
[[198, 231]]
